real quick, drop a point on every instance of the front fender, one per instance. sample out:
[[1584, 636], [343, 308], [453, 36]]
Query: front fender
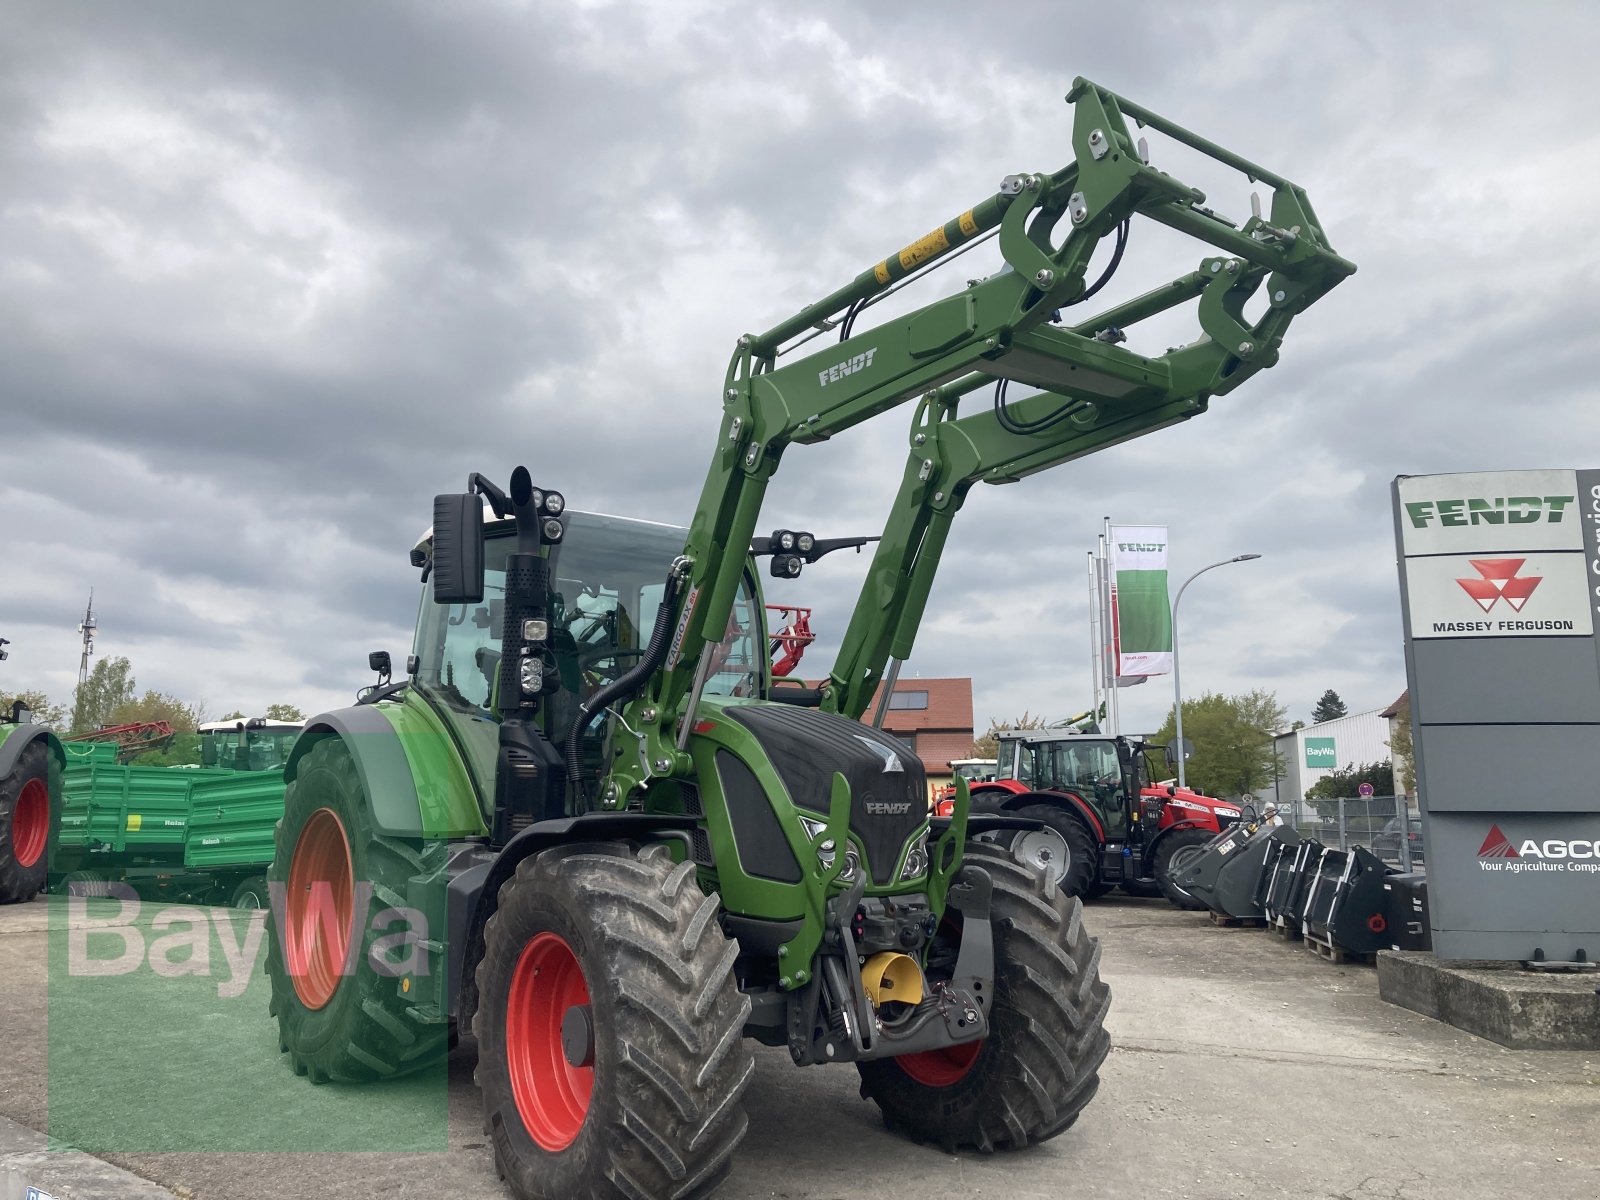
[[14, 739], [411, 770]]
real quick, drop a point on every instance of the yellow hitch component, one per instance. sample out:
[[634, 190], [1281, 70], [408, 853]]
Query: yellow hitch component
[[892, 977]]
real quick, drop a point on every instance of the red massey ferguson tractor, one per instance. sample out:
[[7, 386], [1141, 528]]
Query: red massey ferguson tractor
[[1080, 784]]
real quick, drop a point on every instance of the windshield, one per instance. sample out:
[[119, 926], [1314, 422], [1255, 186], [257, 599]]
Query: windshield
[[972, 772], [1084, 766], [608, 576]]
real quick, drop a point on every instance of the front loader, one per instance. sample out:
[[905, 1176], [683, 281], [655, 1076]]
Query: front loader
[[589, 829]]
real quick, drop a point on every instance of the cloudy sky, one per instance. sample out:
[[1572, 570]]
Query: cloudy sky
[[271, 275]]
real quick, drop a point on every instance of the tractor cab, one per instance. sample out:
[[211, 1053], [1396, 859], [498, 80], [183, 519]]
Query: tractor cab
[[253, 744]]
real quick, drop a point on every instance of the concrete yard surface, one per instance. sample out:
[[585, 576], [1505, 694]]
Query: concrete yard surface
[[1243, 1066]]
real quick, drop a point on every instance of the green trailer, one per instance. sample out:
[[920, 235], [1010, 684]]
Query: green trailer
[[201, 834], [31, 758]]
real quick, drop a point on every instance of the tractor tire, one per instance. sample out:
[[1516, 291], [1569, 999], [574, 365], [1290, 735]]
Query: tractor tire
[[1080, 873], [615, 961], [250, 894], [1178, 849], [88, 884], [1031, 1077], [342, 1013], [30, 817]]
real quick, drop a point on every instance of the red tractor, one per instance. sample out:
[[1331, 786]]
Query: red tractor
[[1080, 784]]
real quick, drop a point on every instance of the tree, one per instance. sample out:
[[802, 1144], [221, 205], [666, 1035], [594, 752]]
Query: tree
[[1232, 738], [235, 715], [284, 712], [1400, 747], [988, 746], [109, 686], [155, 706], [1329, 708], [182, 751], [53, 716]]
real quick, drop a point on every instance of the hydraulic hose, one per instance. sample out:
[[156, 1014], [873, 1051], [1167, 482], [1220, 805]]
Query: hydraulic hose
[[630, 681]]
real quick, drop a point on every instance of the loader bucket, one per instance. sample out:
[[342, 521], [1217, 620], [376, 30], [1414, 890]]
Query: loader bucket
[[1228, 876], [1288, 883], [1406, 907], [1346, 907]]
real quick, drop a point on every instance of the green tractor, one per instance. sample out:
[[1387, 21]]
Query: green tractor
[[589, 829], [31, 760]]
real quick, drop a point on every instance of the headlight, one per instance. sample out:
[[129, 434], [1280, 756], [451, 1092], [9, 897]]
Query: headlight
[[916, 859], [805, 543], [532, 676], [852, 864]]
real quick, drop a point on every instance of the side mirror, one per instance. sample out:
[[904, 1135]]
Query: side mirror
[[208, 752], [457, 549], [378, 661], [1176, 748], [21, 714]]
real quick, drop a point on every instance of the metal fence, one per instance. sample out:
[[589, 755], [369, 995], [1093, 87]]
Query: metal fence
[[1386, 825]]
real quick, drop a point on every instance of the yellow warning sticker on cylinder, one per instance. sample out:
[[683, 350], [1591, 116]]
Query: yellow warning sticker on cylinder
[[135, 820], [969, 224], [924, 248], [881, 272]]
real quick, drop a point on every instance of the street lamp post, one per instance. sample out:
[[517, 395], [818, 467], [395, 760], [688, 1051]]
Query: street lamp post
[[1177, 687]]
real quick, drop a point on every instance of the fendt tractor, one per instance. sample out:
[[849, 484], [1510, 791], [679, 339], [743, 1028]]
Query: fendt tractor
[[31, 760], [1095, 790], [589, 829]]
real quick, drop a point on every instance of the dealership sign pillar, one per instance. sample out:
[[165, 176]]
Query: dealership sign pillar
[[1500, 590]]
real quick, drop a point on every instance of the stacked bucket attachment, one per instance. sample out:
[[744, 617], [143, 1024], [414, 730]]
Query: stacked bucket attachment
[[1346, 904]]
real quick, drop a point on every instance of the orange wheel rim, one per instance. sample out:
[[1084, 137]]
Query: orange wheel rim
[[552, 1095], [320, 911], [30, 823]]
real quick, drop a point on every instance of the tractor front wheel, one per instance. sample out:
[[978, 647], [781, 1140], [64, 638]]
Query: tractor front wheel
[[337, 919], [28, 823], [1031, 1077], [1176, 851], [610, 1029], [1078, 873]]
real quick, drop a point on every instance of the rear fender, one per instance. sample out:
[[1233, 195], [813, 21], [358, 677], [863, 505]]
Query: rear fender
[[14, 739], [1065, 800], [412, 772]]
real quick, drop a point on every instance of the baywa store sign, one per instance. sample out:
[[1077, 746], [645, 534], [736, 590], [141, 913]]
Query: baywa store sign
[[1484, 562]]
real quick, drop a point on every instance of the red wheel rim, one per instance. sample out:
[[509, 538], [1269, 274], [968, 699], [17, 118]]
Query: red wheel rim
[[30, 823], [320, 909], [552, 1095], [941, 1068]]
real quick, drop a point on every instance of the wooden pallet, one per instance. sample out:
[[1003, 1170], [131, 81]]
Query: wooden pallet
[[1289, 931], [1226, 922], [1335, 953]]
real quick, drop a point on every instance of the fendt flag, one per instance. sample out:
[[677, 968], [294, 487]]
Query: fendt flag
[[1143, 612]]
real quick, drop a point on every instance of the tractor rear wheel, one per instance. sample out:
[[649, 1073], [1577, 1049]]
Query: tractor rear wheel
[[1178, 849], [1031, 1077], [29, 820], [339, 997], [610, 1027], [1079, 872]]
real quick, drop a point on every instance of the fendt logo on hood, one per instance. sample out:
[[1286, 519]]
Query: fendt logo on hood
[[1499, 581]]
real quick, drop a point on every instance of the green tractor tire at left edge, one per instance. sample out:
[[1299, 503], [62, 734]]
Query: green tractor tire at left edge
[[30, 809]]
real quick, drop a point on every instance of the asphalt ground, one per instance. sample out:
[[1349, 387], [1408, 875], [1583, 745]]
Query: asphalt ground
[[1243, 1066]]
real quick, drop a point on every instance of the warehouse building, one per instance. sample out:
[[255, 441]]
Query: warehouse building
[[1303, 756]]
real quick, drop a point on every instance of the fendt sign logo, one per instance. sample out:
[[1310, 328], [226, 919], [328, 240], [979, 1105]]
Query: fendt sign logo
[[1499, 581], [1499, 853], [1501, 510]]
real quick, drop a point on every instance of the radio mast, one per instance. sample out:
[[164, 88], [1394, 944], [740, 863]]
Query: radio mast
[[88, 628]]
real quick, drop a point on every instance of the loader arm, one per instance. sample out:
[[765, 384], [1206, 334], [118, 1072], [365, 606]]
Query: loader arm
[[1000, 328]]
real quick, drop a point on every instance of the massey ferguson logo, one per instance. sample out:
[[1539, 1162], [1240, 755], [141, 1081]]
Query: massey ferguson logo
[[848, 367], [1499, 853], [1499, 582]]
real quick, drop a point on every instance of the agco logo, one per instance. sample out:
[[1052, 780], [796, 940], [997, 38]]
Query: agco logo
[[849, 366], [1499, 581], [1502, 510], [1498, 853]]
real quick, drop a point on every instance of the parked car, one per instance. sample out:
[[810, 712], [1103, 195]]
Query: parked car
[[1386, 842]]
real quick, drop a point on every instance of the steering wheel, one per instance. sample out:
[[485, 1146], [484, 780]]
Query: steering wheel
[[588, 658]]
